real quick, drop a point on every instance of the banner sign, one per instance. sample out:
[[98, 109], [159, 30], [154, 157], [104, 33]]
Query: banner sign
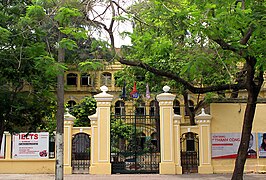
[[262, 145], [2, 152], [225, 145], [30, 145]]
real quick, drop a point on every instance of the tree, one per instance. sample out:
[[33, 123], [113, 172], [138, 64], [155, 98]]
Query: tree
[[194, 42], [57, 24], [81, 111], [26, 71]]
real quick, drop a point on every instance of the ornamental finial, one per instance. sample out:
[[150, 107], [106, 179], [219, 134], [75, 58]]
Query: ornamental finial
[[166, 89], [104, 89]]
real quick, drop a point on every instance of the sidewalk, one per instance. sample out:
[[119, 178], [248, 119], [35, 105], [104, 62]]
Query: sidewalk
[[129, 177]]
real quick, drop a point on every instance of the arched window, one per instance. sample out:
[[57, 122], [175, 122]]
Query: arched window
[[154, 108], [86, 80], [106, 79], [119, 108], [140, 109], [71, 104], [176, 107], [72, 79], [190, 106]]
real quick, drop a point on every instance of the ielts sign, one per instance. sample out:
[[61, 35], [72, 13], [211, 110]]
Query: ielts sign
[[30, 145], [28, 136]]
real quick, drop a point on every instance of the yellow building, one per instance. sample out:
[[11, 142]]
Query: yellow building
[[78, 85], [189, 135], [157, 139]]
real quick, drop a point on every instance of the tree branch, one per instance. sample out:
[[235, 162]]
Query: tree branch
[[247, 36], [225, 45], [185, 83], [135, 17], [110, 29], [99, 15]]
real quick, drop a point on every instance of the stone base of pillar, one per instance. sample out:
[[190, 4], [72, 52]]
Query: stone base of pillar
[[67, 170], [167, 168], [178, 169], [205, 169], [100, 168]]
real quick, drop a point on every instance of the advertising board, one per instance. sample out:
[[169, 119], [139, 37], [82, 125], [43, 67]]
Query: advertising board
[[225, 145], [30, 145]]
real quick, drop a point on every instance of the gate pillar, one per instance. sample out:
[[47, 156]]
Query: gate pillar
[[68, 126], [167, 165], [204, 121], [177, 150], [100, 138], [8, 145]]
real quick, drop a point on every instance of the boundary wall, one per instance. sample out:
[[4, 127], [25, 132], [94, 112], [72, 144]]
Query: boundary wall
[[224, 118]]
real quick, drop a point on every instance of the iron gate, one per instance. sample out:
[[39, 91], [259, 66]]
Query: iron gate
[[135, 144], [81, 153], [189, 152]]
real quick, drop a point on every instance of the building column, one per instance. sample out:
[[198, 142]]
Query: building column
[[129, 107], [100, 138], [78, 81], [8, 145], [68, 127], [204, 121], [167, 165], [178, 167]]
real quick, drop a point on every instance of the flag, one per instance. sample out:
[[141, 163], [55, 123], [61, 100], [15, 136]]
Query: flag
[[124, 94], [148, 95], [134, 93]]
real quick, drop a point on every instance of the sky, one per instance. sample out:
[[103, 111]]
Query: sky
[[119, 27]]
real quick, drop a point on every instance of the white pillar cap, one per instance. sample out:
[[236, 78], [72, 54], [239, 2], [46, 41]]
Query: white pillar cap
[[68, 116], [166, 89]]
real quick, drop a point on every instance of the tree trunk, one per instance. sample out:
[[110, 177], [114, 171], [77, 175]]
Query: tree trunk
[[253, 85], [60, 118], [188, 110], [245, 137]]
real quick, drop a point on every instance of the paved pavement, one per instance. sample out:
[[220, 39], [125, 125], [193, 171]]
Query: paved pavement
[[129, 177]]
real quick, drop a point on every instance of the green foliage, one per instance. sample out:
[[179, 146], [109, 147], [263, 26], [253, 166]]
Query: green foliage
[[90, 66], [35, 12], [4, 35], [81, 111], [121, 130], [48, 65], [27, 73], [68, 44], [178, 36], [77, 33], [65, 14]]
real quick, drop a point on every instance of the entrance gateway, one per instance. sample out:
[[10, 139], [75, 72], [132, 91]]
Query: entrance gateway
[[189, 152], [81, 153], [135, 144]]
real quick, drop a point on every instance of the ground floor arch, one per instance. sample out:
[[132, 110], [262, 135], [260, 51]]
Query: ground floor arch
[[81, 146], [189, 143]]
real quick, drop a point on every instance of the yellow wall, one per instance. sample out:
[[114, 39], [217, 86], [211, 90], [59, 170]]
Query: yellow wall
[[27, 166], [39, 166], [225, 118], [228, 118]]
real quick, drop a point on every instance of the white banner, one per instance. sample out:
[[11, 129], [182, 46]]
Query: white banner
[[30, 145], [2, 152], [225, 145]]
